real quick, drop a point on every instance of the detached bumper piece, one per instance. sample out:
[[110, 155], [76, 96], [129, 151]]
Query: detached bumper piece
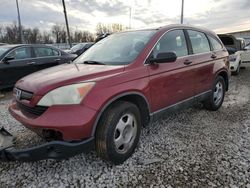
[[50, 150]]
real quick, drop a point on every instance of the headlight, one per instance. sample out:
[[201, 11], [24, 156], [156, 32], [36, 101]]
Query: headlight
[[70, 94], [232, 57]]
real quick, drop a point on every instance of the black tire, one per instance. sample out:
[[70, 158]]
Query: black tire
[[107, 131], [211, 103]]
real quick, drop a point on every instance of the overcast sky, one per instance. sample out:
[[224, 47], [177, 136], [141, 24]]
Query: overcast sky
[[218, 15]]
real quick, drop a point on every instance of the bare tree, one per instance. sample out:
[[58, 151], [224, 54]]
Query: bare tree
[[59, 33], [56, 29], [82, 36], [32, 36], [9, 34], [109, 28], [2, 34], [102, 28], [12, 35]]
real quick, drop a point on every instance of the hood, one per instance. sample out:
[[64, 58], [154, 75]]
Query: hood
[[43, 81]]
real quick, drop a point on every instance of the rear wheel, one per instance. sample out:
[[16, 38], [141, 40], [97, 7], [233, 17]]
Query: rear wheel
[[118, 132], [216, 97]]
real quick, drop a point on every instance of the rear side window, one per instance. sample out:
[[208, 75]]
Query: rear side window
[[173, 41], [21, 53], [215, 43], [45, 52], [199, 42]]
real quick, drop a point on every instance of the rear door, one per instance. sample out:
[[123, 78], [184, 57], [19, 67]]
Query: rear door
[[20, 66], [171, 82], [203, 60], [46, 57]]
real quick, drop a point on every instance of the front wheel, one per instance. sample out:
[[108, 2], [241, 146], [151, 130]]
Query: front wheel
[[216, 98], [118, 132]]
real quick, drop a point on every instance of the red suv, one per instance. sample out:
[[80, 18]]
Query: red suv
[[109, 93]]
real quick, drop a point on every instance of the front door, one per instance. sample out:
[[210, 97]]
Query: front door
[[172, 82], [21, 65]]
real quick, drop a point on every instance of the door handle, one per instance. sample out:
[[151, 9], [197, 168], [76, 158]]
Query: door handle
[[57, 60], [213, 56], [31, 63], [187, 62]]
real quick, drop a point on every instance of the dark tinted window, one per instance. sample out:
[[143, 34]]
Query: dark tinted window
[[173, 41], [199, 42], [45, 52], [215, 43], [20, 53], [227, 41]]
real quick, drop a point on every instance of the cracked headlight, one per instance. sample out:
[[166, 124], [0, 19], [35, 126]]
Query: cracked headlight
[[70, 94]]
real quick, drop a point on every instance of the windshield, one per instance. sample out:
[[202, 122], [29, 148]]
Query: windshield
[[117, 49], [3, 49]]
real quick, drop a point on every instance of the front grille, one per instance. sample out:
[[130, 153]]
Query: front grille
[[21, 94], [26, 95], [37, 110]]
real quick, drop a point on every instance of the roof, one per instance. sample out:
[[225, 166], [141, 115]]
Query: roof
[[27, 45], [170, 26]]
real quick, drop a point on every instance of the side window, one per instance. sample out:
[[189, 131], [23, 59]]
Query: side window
[[20, 53], [215, 44], [199, 42], [173, 41], [45, 52], [55, 52]]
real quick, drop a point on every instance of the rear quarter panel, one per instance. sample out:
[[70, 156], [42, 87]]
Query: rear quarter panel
[[221, 65]]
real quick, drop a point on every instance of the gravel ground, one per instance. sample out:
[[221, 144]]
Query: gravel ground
[[191, 148]]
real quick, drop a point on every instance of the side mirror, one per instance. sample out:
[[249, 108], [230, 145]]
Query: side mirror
[[166, 57], [7, 59]]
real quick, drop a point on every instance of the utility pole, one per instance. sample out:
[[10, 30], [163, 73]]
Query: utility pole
[[67, 24], [19, 23], [182, 9], [130, 16]]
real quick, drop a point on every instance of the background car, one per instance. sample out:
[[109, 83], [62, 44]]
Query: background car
[[235, 49], [102, 36], [17, 61], [245, 56], [1, 44], [80, 48]]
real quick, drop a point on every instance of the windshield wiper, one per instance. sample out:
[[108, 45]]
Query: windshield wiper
[[93, 62]]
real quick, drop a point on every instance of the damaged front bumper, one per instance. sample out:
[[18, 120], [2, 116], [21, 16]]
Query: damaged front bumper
[[49, 150]]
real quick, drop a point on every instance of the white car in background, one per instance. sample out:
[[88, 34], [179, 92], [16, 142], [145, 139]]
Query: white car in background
[[235, 48], [245, 56]]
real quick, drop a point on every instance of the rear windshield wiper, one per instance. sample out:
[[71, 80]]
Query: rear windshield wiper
[[93, 62]]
